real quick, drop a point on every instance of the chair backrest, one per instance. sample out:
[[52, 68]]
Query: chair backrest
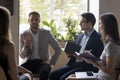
[[2, 74]]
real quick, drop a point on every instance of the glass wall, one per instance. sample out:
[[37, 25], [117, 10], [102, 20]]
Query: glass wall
[[52, 10], [57, 10]]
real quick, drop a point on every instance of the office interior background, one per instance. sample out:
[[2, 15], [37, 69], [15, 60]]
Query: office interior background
[[97, 7]]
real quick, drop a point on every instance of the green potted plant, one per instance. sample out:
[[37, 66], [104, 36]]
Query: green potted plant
[[71, 26], [54, 30]]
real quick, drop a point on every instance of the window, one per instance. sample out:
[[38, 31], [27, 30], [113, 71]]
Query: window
[[57, 10], [51, 9]]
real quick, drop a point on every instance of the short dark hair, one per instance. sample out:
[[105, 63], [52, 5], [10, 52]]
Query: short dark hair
[[34, 12], [89, 18]]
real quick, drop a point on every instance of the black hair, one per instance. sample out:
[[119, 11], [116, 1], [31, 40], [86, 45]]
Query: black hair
[[89, 18], [34, 12]]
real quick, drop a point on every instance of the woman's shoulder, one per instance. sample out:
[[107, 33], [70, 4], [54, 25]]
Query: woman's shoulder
[[112, 44], [9, 45], [112, 48]]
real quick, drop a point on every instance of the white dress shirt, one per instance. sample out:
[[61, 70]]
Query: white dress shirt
[[35, 54], [84, 41]]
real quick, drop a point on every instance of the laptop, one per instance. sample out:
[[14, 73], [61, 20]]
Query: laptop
[[71, 47]]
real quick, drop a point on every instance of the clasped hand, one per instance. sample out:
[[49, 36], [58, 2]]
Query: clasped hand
[[87, 59], [83, 58]]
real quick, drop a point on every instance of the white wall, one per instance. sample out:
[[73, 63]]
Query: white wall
[[98, 7], [110, 6], [94, 8]]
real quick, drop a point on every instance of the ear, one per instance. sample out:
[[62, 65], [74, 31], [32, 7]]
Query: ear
[[89, 24]]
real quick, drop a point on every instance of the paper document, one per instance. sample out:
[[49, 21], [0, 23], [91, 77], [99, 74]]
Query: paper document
[[85, 75]]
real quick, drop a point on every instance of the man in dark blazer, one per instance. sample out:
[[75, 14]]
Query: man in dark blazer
[[34, 44], [89, 40]]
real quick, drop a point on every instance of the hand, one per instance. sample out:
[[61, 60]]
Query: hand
[[77, 56], [31, 75], [52, 66], [27, 40], [87, 51], [88, 60], [46, 62]]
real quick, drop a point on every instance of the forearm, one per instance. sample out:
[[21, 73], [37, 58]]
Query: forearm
[[23, 52], [55, 56], [24, 47], [102, 67], [107, 69]]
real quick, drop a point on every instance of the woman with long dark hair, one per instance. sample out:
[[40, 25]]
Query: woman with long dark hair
[[7, 51], [111, 54]]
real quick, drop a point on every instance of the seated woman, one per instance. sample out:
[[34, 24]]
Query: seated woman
[[8, 69], [7, 50], [111, 54]]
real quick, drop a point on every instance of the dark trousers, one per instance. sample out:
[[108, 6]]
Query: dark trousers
[[64, 72], [37, 66]]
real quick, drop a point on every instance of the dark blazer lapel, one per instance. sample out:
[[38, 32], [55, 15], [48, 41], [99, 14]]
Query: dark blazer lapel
[[79, 38], [40, 40], [91, 39]]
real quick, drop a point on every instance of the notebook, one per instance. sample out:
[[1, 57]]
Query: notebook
[[71, 47], [85, 75]]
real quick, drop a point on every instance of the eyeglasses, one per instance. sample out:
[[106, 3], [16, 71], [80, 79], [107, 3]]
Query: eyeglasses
[[82, 22]]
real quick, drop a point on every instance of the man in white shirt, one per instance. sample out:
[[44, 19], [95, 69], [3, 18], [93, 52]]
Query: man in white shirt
[[34, 44], [89, 40]]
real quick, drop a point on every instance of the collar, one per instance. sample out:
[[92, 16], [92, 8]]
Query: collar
[[33, 33], [88, 33]]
